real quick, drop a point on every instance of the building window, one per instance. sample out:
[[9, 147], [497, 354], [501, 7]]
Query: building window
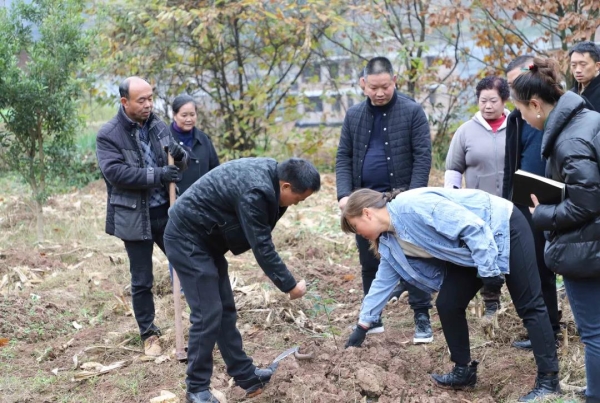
[[336, 105], [314, 104], [334, 70], [312, 72]]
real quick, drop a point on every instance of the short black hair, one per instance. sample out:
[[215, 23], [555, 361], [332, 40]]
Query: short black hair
[[299, 173], [181, 100], [494, 83], [519, 61], [124, 88], [586, 47], [378, 65]]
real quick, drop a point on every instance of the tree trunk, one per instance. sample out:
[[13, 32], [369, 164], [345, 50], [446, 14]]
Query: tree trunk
[[40, 220]]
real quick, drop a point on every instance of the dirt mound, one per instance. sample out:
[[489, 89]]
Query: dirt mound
[[33, 321]]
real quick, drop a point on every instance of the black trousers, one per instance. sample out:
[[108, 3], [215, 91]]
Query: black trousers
[[142, 278], [419, 300], [461, 284], [547, 276], [213, 318]]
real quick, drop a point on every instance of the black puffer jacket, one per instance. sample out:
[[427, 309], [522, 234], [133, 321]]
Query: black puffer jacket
[[121, 161], [235, 207], [407, 146], [591, 94], [571, 144]]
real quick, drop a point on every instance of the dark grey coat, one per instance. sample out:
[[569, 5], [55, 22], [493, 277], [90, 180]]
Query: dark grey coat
[[235, 207], [127, 178], [407, 146], [571, 144]]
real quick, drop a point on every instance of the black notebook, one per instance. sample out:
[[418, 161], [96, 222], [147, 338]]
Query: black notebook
[[548, 191]]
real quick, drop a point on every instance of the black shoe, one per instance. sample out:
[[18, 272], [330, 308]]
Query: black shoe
[[256, 383], [423, 332], [201, 397], [545, 385], [491, 308], [461, 377], [523, 345], [526, 344]]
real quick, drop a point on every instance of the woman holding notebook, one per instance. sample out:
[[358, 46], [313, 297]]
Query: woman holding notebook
[[571, 146]]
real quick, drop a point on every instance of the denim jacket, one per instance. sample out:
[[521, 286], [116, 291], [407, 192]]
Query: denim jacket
[[467, 227]]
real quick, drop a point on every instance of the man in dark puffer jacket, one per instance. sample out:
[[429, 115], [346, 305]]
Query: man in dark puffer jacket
[[131, 156], [234, 207], [385, 145]]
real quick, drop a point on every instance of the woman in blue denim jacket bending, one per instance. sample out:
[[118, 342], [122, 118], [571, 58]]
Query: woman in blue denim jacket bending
[[454, 241]]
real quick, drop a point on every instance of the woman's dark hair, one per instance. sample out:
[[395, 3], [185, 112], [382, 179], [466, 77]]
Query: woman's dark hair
[[181, 100], [494, 83], [362, 199], [299, 173], [542, 79]]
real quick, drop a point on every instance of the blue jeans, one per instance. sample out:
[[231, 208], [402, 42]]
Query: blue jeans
[[583, 297]]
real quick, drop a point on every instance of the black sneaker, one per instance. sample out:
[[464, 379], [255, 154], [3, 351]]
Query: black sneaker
[[423, 332], [398, 291], [545, 385], [461, 377], [491, 309], [375, 328], [200, 397], [256, 383]]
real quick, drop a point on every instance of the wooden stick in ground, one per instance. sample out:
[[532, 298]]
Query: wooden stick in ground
[[180, 353]]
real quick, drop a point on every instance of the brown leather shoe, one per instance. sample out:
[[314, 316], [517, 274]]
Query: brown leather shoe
[[152, 346]]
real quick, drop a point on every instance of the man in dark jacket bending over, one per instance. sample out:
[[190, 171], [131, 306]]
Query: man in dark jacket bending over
[[385, 145], [233, 208]]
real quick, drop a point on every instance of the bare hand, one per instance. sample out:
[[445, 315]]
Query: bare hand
[[342, 202], [299, 290], [535, 201]]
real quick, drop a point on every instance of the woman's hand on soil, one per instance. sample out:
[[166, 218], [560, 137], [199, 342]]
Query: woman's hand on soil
[[299, 290], [357, 337]]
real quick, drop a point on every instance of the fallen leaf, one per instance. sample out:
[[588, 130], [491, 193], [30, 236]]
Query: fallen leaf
[[348, 277], [4, 341]]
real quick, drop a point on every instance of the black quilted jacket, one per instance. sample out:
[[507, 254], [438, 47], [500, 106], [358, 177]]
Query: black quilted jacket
[[127, 178], [407, 146], [235, 207], [571, 144]]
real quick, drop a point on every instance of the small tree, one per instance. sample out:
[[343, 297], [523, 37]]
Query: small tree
[[42, 46], [242, 58]]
